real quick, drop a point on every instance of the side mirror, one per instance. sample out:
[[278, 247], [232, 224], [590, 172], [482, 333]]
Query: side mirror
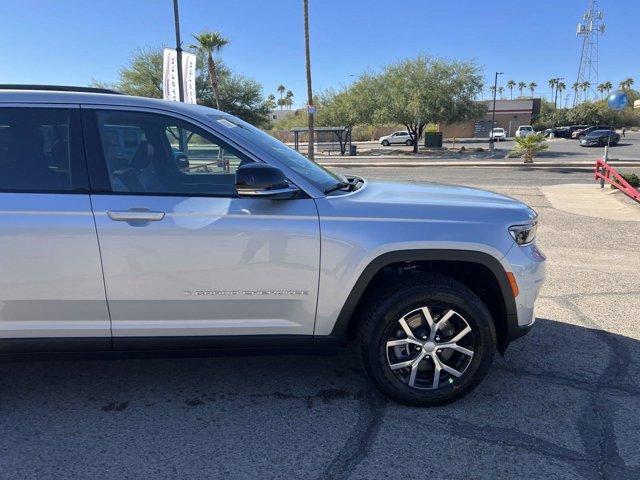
[[259, 180]]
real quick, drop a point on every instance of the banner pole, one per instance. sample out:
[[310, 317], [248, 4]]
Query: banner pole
[[176, 18]]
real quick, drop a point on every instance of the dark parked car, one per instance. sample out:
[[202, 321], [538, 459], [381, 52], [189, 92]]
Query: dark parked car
[[558, 132], [573, 128], [579, 134], [600, 138]]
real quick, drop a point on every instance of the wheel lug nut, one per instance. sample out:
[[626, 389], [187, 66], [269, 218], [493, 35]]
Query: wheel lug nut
[[418, 348], [437, 339], [438, 351]]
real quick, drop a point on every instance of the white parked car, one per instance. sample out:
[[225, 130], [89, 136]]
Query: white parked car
[[523, 131], [498, 134], [402, 137]]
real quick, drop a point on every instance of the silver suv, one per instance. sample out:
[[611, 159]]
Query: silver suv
[[133, 224]]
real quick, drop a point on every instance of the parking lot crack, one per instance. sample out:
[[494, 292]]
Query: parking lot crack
[[358, 444]]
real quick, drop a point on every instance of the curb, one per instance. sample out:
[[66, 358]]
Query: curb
[[582, 165]]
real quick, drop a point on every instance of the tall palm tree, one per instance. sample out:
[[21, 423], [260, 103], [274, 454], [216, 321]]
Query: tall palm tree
[[552, 83], [289, 98], [492, 89], [532, 87], [560, 87], [511, 85], [521, 87], [271, 101], [307, 54], [501, 91], [281, 90], [584, 86], [626, 84], [608, 87], [601, 89], [210, 43]]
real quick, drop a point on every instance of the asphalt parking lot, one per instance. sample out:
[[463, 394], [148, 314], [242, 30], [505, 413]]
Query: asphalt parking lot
[[559, 148], [563, 403]]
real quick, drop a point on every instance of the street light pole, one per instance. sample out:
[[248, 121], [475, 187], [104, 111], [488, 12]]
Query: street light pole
[[493, 111], [176, 18]]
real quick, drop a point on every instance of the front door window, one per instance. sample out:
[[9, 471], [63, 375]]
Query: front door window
[[156, 154]]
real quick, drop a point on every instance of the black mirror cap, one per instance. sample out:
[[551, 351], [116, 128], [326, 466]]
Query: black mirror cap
[[260, 176]]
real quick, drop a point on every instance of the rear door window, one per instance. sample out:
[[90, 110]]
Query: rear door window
[[37, 153]]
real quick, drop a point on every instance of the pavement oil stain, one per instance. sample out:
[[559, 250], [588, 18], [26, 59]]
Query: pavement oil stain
[[115, 407]]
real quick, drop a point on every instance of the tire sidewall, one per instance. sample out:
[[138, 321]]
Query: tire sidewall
[[402, 303]]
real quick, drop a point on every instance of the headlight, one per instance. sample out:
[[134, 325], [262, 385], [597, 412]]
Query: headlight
[[524, 234]]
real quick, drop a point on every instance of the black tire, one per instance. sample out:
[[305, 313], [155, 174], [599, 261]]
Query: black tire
[[408, 143], [379, 320], [385, 143]]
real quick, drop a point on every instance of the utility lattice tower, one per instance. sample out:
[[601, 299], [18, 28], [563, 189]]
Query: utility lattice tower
[[590, 28]]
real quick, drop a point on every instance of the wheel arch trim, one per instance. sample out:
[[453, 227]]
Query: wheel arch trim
[[340, 329]]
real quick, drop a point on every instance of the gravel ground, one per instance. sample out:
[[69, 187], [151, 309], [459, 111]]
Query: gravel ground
[[563, 403]]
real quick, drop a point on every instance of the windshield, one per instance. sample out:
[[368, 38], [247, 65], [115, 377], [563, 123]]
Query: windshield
[[598, 133], [526, 128], [498, 130], [320, 177]]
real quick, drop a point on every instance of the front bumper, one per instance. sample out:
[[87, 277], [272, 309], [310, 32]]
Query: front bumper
[[528, 264]]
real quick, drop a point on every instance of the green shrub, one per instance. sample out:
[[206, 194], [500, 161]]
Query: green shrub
[[632, 179]]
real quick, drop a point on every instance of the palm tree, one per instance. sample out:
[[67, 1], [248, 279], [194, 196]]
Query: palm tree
[[289, 98], [560, 87], [281, 90], [307, 54], [626, 84], [271, 101], [511, 85], [584, 86], [552, 83], [492, 89], [532, 87], [527, 147], [521, 87], [601, 89], [501, 91], [210, 43], [608, 87]]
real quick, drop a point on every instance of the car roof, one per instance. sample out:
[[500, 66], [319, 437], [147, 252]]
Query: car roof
[[17, 95], [599, 131]]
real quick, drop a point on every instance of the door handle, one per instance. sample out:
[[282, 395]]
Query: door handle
[[135, 215]]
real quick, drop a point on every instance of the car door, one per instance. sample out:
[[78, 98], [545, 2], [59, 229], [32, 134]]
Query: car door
[[51, 287], [182, 255]]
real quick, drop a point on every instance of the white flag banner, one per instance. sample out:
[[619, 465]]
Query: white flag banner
[[189, 76], [170, 76]]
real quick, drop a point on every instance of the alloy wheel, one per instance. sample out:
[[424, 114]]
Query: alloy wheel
[[430, 347]]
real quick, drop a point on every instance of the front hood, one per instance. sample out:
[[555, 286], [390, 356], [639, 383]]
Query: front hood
[[438, 201]]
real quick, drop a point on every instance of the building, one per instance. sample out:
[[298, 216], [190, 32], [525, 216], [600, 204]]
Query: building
[[509, 115]]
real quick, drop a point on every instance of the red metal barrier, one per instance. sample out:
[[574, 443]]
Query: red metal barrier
[[605, 172]]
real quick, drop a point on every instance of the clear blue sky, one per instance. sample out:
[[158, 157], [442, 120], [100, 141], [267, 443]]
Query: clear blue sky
[[73, 41]]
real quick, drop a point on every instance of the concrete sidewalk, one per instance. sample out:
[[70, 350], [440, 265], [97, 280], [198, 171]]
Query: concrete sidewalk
[[592, 201]]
